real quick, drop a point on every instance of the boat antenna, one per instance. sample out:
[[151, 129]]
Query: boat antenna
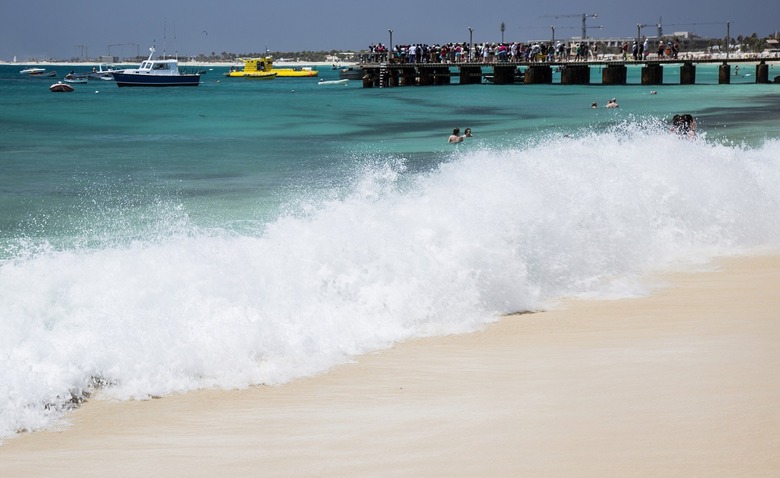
[[175, 46]]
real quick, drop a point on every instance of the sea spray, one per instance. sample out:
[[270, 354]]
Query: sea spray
[[393, 255]]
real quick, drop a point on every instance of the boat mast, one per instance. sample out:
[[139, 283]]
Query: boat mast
[[165, 37]]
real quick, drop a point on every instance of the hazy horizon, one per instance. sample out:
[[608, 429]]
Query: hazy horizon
[[40, 29]]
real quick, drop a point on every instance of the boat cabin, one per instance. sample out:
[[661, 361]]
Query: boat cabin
[[167, 67], [258, 64]]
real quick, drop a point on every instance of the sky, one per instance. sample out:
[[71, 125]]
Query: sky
[[41, 29]]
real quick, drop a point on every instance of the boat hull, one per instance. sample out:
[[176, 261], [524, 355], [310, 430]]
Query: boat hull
[[60, 87], [45, 74], [343, 81], [291, 73], [252, 75], [352, 73], [134, 79]]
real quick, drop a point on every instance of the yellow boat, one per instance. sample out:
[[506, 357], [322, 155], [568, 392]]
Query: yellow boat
[[263, 67], [251, 70]]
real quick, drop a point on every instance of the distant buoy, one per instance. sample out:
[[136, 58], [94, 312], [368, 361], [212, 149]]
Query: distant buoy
[[96, 91]]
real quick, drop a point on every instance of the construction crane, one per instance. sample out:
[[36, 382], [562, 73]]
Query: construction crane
[[124, 44], [584, 16]]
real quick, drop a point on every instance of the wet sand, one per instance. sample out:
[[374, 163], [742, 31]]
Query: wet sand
[[685, 382]]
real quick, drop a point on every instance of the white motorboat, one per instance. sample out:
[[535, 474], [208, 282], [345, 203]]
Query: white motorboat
[[38, 73], [75, 78], [342, 81], [32, 71], [102, 72], [164, 72]]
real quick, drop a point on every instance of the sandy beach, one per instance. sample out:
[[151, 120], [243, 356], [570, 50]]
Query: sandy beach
[[681, 383]]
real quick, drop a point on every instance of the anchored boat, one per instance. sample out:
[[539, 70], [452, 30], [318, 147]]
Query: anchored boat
[[151, 72], [38, 73], [60, 87], [261, 67], [343, 81], [253, 69]]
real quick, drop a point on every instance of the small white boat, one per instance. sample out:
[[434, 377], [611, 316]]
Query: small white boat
[[60, 87], [103, 71], [343, 81], [73, 78], [38, 73], [32, 71], [352, 72]]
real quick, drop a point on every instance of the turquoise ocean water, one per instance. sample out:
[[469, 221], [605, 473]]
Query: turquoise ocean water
[[160, 240]]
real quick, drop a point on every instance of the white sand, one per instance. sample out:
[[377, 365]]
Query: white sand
[[684, 383]]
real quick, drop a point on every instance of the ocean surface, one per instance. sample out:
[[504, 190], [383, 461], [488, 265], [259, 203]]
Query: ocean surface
[[161, 240]]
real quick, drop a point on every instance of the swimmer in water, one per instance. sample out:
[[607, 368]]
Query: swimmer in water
[[455, 137]]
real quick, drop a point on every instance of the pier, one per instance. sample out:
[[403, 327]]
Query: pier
[[392, 74]]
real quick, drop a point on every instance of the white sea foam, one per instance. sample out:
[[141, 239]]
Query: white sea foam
[[395, 256]]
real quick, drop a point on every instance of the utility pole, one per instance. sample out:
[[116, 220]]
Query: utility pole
[[728, 39], [471, 44]]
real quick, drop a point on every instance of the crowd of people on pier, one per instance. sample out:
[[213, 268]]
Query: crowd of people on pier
[[511, 52], [640, 50]]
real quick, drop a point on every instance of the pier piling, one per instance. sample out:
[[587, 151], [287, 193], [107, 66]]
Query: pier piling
[[575, 75], [538, 75], [688, 73], [762, 72], [652, 74], [724, 74], [504, 74], [614, 75], [470, 75]]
